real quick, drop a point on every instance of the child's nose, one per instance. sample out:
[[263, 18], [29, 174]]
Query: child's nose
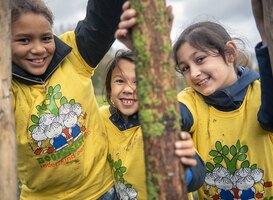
[[195, 72], [38, 48], [129, 88]]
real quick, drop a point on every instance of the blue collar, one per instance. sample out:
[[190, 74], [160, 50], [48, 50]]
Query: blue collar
[[122, 124], [232, 97]]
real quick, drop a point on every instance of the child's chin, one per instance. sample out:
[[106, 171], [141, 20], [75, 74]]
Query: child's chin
[[206, 93], [129, 113], [37, 72]]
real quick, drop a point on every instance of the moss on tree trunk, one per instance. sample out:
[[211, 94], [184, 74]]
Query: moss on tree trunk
[[157, 100]]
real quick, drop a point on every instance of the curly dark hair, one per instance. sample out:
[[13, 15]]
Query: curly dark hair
[[19, 7]]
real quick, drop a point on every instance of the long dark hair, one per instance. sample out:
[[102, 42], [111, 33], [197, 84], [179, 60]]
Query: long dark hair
[[207, 36]]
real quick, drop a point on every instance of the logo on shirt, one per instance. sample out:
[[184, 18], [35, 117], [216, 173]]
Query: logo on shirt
[[124, 190], [225, 181], [58, 129]]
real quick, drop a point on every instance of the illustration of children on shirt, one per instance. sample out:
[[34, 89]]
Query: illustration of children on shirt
[[58, 127], [212, 190], [243, 183], [39, 136], [245, 186], [54, 133], [259, 183]]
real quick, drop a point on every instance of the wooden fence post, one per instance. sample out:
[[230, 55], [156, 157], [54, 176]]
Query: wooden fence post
[[8, 153]]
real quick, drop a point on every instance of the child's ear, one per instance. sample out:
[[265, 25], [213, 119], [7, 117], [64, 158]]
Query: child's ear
[[232, 52]]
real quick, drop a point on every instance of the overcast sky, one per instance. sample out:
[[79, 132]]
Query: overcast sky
[[235, 15]]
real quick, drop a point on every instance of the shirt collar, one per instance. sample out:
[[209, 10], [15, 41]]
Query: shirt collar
[[232, 97], [117, 119]]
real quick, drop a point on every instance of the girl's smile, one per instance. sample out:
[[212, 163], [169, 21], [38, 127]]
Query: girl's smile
[[123, 88], [33, 44], [204, 72], [127, 102]]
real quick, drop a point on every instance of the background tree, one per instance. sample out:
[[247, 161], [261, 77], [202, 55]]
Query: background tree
[[157, 100], [8, 154]]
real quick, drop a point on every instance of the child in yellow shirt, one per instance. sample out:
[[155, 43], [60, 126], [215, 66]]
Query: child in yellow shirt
[[126, 151]]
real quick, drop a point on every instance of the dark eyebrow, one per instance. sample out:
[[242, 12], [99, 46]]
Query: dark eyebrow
[[118, 76], [48, 33], [29, 34], [22, 35], [191, 56]]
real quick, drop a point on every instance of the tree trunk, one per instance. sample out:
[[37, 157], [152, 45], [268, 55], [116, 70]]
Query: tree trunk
[[268, 20], [8, 153], [158, 113]]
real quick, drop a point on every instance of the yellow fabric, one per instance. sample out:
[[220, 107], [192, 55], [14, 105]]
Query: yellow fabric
[[234, 147], [190, 196], [126, 153], [77, 167]]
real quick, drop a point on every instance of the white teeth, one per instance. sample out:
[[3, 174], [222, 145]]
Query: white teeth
[[127, 102], [203, 81], [38, 60]]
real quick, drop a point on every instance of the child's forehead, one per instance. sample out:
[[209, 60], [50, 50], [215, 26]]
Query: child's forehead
[[124, 64], [187, 50], [30, 17], [32, 14], [32, 22], [124, 68]]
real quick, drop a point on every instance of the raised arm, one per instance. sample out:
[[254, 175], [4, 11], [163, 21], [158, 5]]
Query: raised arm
[[265, 115], [95, 34]]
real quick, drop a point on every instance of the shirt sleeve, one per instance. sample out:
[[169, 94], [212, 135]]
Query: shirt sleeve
[[265, 114], [95, 34], [186, 117], [198, 174]]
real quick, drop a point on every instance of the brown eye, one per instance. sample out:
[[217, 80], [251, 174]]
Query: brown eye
[[184, 69], [199, 59], [119, 81], [23, 41], [47, 39]]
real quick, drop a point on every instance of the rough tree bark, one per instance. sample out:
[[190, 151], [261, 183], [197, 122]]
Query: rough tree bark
[[268, 19], [8, 153], [157, 100]]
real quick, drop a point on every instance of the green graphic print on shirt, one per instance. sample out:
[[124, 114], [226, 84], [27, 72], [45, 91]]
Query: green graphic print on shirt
[[125, 190], [245, 182], [58, 132]]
